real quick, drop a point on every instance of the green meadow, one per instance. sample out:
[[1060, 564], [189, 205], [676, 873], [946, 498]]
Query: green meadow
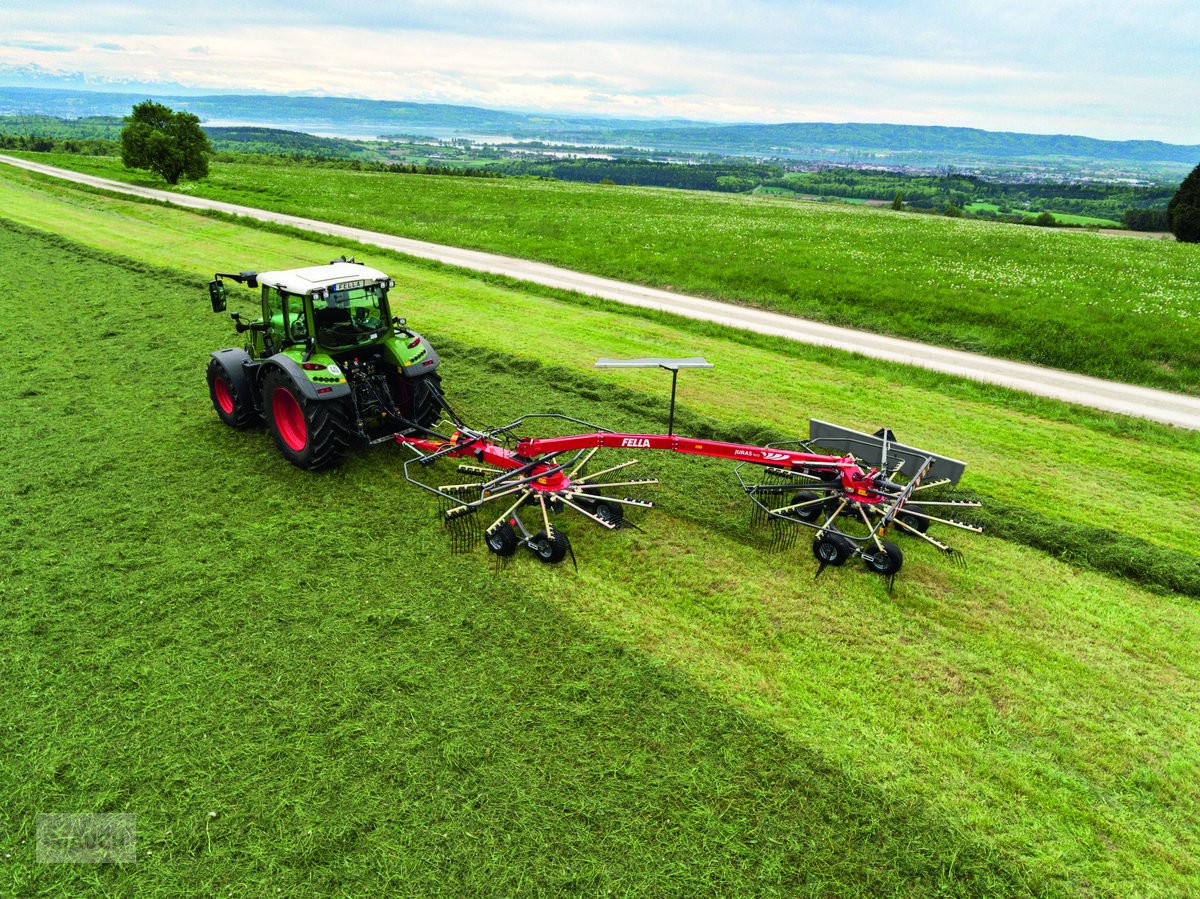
[[297, 688], [1070, 300]]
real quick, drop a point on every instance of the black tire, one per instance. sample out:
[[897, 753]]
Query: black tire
[[503, 541], [613, 513], [916, 522], [421, 404], [233, 408], [811, 514], [311, 434], [887, 562], [832, 549], [550, 551]]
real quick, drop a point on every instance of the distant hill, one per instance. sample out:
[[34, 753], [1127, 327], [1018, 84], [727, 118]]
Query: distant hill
[[806, 138], [348, 117]]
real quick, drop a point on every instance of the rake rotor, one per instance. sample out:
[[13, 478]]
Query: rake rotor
[[509, 488]]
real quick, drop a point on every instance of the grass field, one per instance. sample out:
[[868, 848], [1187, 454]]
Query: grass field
[[1069, 300], [1065, 218], [686, 713]]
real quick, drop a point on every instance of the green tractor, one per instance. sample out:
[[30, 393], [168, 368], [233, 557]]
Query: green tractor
[[325, 365]]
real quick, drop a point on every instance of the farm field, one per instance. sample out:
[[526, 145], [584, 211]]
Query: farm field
[[1064, 217], [1069, 300], [687, 712]]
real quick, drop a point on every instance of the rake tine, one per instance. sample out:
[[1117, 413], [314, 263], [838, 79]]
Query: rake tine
[[807, 502], [459, 488], [961, 503], [931, 484], [546, 517], [640, 483], [950, 521], [608, 524], [592, 477], [870, 527], [949, 550], [462, 527], [587, 458], [624, 501], [499, 521], [783, 535], [477, 469], [830, 520]]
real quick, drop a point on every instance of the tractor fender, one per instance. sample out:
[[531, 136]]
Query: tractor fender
[[304, 386], [233, 363], [426, 364]]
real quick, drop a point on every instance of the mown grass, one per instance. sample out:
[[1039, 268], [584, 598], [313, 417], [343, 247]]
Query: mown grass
[[297, 691], [200, 628], [1085, 468], [1123, 310]]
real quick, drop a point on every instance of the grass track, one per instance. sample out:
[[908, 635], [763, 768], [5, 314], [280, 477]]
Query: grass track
[[1049, 711], [1118, 309]]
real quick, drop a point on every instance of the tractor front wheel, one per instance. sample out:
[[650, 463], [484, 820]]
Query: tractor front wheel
[[232, 407], [311, 434]]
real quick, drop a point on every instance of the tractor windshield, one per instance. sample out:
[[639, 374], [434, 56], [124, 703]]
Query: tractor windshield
[[349, 314]]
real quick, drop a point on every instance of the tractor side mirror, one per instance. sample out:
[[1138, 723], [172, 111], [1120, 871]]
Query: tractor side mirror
[[216, 293]]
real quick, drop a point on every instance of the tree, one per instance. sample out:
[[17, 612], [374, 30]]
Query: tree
[[166, 142], [1183, 212], [898, 200], [1146, 220]]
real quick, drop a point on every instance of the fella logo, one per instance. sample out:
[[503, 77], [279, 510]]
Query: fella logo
[[636, 442]]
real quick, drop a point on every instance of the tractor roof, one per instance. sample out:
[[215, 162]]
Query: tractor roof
[[305, 280]]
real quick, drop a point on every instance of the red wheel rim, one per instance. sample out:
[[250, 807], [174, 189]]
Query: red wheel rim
[[289, 419], [224, 397]]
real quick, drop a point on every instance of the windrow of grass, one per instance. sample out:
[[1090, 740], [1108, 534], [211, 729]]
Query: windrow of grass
[[294, 686], [1124, 309], [1081, 477]]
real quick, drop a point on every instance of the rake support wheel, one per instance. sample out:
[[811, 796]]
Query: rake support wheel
[[832, 549], [550, 550], [503, 541], [886, 561]]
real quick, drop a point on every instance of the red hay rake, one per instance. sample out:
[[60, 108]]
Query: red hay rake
[[851, 501]]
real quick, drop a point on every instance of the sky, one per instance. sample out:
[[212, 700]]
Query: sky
[[1116, 69]]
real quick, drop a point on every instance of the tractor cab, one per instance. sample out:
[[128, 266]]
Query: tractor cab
[[341, 306]]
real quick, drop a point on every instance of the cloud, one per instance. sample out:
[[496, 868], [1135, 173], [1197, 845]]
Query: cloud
[[1100, 67], [41, 46]]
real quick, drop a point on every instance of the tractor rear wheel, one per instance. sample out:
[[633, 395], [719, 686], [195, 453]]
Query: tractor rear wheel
[[311, 434], [232, 407], [421, 404]]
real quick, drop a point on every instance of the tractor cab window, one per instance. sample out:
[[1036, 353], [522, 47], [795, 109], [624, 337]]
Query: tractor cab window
[[273, 312], [297, 324], [349, 314]]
